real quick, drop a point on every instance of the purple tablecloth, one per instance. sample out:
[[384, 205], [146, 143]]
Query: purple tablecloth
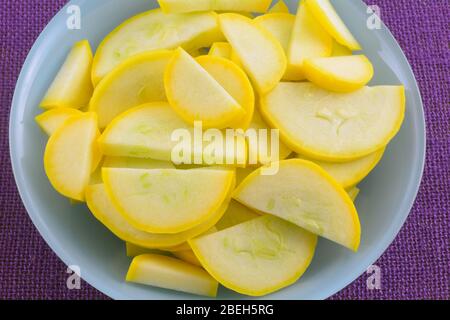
[[416, 266]]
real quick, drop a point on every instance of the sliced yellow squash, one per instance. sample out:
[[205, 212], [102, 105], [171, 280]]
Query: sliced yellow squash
[[325, 14], [235, 214], [257, 257], [154, 30], [353, 193], [349, 174], [280, 25], [53, 119], [69, 155], [340, 50], [235, 82], [72, 87], [304, 194], [136, 163], [136, 81], [308, 40], [221, 49], [335, 127], [339, 74], [188, 256], [103, 209], [167, 200], [253, 44], [279, 7], [186, 83], [134, 250], [182, 6], [170, 273]]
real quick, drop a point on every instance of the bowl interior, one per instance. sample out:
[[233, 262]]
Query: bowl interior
[[78, 239]]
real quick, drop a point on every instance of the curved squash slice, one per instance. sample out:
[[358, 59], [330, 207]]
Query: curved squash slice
[[280, 25], [186, 83], [324, 12], [154, 30], [187, 256], [308, 40], [103, 209], [279, 7], [340, 50], [181, 6], [72, 87], [339, 74], [69, 155], [254, 45], [235, 214], [335, 127], [53, 119], [136, 163], [138, 80], [221, 49], [349, 174], [170, 273], [167, 200], [304, 194], [257, 257], [235, 82]]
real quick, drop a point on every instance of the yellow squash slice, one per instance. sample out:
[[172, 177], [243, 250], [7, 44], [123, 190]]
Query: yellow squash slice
[[340, 50], [182, 6], [349, 174], [187, 256], [324, 12], [339, 74], [134, 250], [186, 83], [221, 49], [154, 30], [138, 80], [235, 214], [261, 55], [53, 119], [136, 163], [304, 194], [103, 209], [353, 193], [335, 127], [280, 25], [72, 87], [257, 257], [167, 200], [235, 82], [308, 40], [170, 273], [69, 155], [279, 7]]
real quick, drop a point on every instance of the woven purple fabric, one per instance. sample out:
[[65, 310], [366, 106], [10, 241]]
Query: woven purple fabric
[[416, 266]]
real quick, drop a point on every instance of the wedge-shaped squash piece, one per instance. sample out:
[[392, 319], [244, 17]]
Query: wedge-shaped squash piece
[[146, 132], [53, 119], [261, 152], [154, 30], [69, 155], [324, 12], [349, 174], [261, 55], [134, 250], [335, 127], [136, 163], [136, 81], [236, 214], [339, 74], [188, 256], [235, 82], [221, 49], [280, 25], [257, 257], [103, 209], [182, 6], [353, 193], [308, 40], [304, 194], [279, 7], [170, 273], [340, 50], [72, 87], [186, 83], [167, 200]]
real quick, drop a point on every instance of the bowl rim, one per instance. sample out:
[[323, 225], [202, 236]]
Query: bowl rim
[[50, 239]]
